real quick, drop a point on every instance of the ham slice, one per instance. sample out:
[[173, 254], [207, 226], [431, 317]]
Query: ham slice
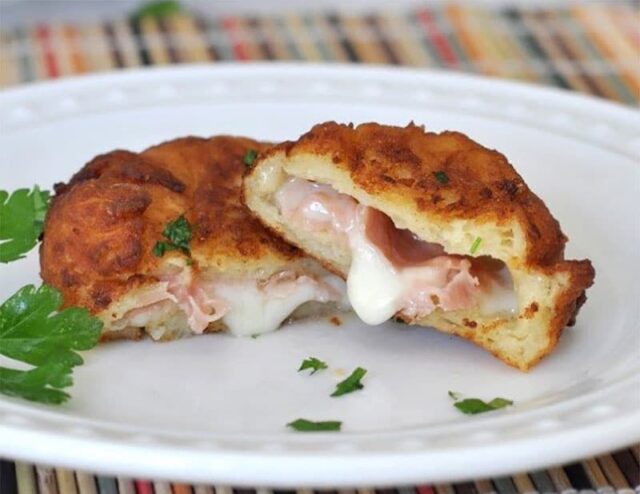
[[392, 270], [247, 306]]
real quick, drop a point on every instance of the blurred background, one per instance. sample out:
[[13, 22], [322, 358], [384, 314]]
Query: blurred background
[[587, 46]]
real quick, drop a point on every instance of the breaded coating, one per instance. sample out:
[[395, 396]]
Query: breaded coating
[[102, 226], [447, 190]]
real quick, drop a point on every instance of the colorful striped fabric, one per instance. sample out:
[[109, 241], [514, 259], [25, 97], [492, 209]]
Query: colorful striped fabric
[[607, 474], [592, 48]]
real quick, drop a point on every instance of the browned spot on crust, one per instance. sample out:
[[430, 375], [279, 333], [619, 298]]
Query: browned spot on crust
[[124, 334], [510, 187], [125, 166], [101, 297], [486, 193], [530, 311], [335, 320], [469, 324]]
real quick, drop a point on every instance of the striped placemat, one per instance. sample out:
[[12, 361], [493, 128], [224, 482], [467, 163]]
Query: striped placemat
[[613, 473], [590, 47]]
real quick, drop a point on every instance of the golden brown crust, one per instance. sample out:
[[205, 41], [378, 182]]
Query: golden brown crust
[[101, 227], [403, 162], [212, 171]]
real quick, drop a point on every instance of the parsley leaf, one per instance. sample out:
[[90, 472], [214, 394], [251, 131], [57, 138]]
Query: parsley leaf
[[351, 383], [39, 384], [472, 406], [249, 157], [441, 177], [304, 425], [161, 247], [312, 363], [21, 218], [497, 403], [31, 331], [474, 246], [178, 233], [454, 395], [158, 9]]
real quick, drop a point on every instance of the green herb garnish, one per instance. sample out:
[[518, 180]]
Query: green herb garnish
[[441, 177], [249, 157], [21, 219], [304, 425], [158, 9], [455, 395], [474, 246], [312, 363], [178, 233], [472, 406], [351, 383], [34, 331]]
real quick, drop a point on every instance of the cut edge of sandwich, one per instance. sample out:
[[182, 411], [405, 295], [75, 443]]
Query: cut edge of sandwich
[[548, 294], [181, 299]]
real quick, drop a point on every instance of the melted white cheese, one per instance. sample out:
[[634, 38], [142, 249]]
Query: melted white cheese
[[373, 285], [376, 288], [256, 310]]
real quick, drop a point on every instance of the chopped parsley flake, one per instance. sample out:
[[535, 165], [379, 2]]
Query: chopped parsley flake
[[351, 383], [304, 425], [157, 10], [178, 235], [441, 177], [474, 246], [312, 363], [454, 395], [473, 406], [249, 157]]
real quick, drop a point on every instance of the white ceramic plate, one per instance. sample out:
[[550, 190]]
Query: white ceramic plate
[[214, 408]]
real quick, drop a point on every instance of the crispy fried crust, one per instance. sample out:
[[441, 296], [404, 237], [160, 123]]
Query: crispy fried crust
[[102, 225], [446, 189], [402, 163]]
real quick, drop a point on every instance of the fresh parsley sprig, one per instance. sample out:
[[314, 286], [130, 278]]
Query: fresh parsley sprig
[[21, 218], [178, 234], [351, 383], [304, 425], [34, 331], [313, 363]]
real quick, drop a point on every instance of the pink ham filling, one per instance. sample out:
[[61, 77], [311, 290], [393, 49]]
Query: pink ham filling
[[434, 278], [197, 298]]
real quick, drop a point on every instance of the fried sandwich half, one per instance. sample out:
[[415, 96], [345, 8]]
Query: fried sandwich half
[[107, 247], [433, 229]]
